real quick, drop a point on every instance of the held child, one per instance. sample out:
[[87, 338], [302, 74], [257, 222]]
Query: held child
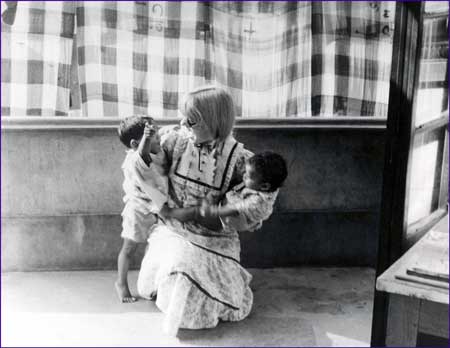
[[250, 203], [145, 187]]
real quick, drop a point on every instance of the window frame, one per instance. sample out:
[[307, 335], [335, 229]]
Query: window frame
[[400, 136], [414, 231]]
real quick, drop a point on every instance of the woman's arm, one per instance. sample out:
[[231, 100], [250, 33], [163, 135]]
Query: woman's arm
[[207, 210], [181, 214], [192, 214]]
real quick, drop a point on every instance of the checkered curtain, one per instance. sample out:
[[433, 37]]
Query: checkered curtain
[[140, 57], [36, 56], [278, 59]]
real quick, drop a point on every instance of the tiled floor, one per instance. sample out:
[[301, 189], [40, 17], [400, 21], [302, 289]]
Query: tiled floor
[[292, 307]]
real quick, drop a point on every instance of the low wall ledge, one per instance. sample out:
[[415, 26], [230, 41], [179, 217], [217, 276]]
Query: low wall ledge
[[74, 123]]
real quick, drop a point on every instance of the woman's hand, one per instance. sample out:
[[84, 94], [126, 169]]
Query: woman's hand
[[208, 210]]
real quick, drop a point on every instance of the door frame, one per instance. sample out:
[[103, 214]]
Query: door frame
[[403, 82]]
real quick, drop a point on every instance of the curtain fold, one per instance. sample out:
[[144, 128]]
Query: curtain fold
[[36, 57], [262, 55], [352, 52]]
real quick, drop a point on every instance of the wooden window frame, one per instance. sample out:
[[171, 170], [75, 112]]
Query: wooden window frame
[[400, 137]]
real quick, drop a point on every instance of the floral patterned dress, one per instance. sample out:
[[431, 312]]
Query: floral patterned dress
[[196, 271]]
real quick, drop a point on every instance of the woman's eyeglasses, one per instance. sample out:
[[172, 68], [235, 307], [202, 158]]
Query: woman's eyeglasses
[[190, 123]]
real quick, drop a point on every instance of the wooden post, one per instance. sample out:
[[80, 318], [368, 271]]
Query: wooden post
[[404, 79]]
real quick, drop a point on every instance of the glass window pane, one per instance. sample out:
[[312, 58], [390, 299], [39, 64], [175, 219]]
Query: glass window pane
[[426, 170], [432, 94], [436, 6]]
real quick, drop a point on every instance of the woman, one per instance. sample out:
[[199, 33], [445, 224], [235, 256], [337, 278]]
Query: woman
[[192, 263]]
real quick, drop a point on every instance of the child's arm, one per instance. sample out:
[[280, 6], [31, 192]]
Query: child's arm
[[145, 143]]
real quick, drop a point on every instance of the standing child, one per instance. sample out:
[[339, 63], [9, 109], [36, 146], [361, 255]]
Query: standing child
[[145, 187], [251, 202]]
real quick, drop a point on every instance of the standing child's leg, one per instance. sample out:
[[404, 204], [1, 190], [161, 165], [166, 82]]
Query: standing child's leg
[[123, 263]]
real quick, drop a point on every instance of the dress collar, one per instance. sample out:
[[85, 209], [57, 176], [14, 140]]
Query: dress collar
[[211, 145], [207, 145]]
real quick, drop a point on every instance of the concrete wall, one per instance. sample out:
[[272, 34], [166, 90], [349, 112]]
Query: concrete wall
[[61, 197]]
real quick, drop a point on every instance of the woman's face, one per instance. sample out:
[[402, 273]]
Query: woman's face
[[199, 129]]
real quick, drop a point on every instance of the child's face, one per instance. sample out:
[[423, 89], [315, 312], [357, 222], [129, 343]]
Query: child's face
[[253, 179]]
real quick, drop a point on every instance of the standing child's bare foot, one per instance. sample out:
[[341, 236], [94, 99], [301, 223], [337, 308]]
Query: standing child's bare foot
[[124, 293], [153, 296]]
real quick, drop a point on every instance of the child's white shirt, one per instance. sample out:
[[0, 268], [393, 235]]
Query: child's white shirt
[[145, 186]]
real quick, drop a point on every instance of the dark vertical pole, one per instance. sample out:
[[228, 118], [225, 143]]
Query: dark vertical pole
[[404, 79]]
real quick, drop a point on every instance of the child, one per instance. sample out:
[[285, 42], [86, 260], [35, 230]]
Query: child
[[250, 203], [145, 189]]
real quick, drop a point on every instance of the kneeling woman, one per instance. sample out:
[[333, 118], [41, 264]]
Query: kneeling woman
[[192, 263]]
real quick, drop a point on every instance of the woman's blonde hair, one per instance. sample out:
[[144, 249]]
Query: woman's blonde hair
[[213, 106]]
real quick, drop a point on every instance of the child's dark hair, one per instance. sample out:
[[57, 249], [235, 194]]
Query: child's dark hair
[[132, 127], [271, 166]]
